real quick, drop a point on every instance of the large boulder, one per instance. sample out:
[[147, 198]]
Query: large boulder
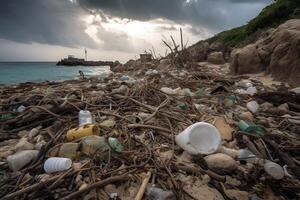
[[216, 58], [285, 59], [246, 60], [278, 54], [199, 51]]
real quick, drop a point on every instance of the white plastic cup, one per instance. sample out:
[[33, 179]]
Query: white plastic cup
[[274, 170], [253, 106], [56, 164], [200, 137], [85, 117]]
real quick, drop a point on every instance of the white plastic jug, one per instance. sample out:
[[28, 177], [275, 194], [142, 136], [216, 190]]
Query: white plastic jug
[[56, 164], [85, 117], [200, 137]]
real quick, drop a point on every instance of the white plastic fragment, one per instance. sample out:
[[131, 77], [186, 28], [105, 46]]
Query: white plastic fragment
[[253, 106]]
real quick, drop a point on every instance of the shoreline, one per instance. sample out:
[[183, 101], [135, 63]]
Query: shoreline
[[13, 73]]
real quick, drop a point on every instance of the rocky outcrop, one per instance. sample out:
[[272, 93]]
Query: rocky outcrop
[[246, 60], [216, 58], [200, 51], [278, 54]]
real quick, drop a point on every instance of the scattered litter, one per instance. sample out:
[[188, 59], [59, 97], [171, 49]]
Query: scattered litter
[[112, 131]]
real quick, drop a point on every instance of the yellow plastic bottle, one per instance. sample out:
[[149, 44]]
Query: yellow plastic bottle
[[82, 131]]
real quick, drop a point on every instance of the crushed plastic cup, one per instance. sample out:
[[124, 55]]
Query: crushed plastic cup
[[253, 106], [244, 83], [21, 108], [274, 170], [159, 194], [200, 137], [251, 91], [57, 164], [124, 78], [85, 117]]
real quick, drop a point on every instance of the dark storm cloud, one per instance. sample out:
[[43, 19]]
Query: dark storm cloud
[[42, 21], [57, 22], [214, 14]]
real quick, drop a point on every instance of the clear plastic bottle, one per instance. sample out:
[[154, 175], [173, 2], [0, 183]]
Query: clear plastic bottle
[[85, 117]]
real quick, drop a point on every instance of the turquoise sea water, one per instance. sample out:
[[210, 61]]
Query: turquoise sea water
[[19, 72]]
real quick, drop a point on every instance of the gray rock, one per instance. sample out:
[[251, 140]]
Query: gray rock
[[216, 58], [23, 144], [247, 116], [221, 163]]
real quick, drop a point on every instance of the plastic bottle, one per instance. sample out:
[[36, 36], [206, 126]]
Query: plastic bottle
[[18, 160], [91, 144], [68, 150], [56, 164], [85, 117], [83, 131]]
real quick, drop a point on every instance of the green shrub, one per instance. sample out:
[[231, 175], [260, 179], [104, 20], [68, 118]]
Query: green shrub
[[271, 16]]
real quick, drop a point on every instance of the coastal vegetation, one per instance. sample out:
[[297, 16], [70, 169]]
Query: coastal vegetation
[[269, 17]]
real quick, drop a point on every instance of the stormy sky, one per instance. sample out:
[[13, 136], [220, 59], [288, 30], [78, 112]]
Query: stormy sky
[[47, 30]]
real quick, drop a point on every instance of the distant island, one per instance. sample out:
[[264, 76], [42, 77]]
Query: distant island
[[73, 61]]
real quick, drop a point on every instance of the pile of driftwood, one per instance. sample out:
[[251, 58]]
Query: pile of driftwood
[[146, 122]]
